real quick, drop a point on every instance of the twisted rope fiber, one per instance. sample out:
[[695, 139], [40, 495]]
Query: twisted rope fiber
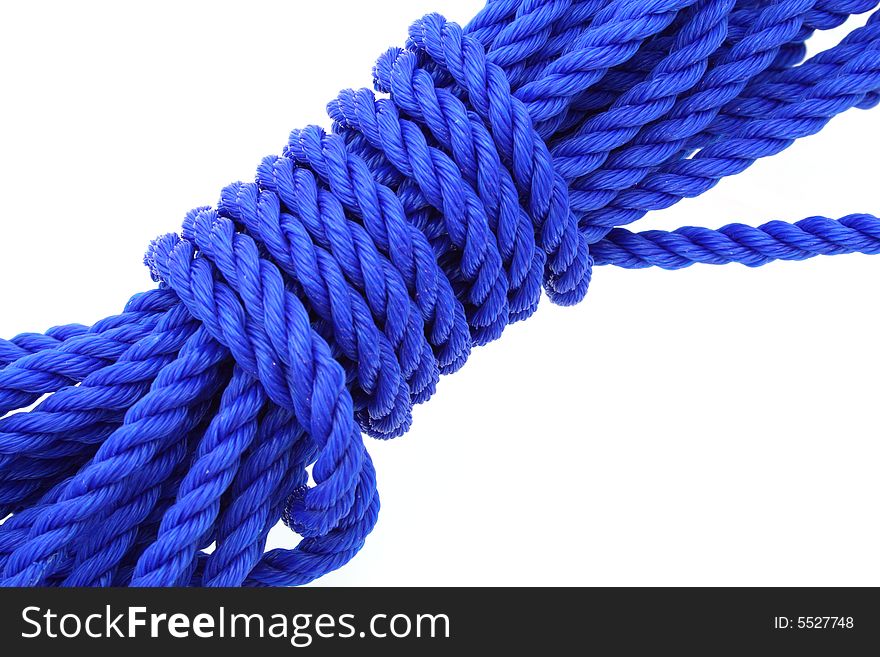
[[326, 298]]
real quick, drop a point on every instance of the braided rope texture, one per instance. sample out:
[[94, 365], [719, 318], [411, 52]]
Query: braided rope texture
[[324, 299]]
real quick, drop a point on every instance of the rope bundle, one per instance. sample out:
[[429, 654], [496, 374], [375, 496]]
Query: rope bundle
[[325, 299]]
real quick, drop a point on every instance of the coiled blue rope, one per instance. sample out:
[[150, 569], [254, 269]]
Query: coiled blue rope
[[325, 299]]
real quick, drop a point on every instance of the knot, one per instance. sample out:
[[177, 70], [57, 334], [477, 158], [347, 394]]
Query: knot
[[484, 106], [377, 379], [480, 212], [466, 249], [360, 265]]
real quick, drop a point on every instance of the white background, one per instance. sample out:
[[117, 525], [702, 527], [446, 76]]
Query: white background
[[712, 426]]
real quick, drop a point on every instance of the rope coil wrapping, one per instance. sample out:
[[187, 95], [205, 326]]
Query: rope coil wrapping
[[326, 298]]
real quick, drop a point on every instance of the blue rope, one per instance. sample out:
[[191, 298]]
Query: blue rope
[[325, 299]]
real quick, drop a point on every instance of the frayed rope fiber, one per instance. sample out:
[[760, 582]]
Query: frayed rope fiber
[[325, 299]]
